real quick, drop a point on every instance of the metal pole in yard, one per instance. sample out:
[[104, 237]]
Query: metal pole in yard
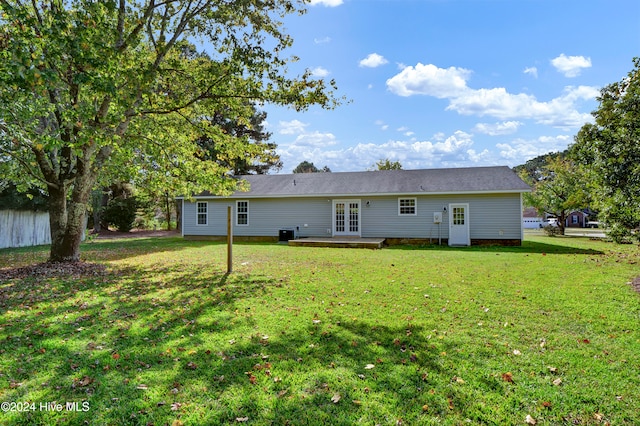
[[229, 242]]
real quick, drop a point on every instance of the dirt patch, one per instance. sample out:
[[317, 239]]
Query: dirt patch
[[54, 269], [135, 233], [636, 284]]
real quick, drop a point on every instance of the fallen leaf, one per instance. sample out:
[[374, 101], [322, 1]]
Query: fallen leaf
[[142, 387], [557, 382], [530, 420], [177, 423], [457, 379], [369, 366], [115, 356], [336, 398], [546, 404], [85, 381], [242, 419], [192, 365], [553, 369], [175, 406], [517, 352], [507, 377]]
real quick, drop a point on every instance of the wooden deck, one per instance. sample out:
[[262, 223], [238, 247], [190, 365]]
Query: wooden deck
[[339, 242]]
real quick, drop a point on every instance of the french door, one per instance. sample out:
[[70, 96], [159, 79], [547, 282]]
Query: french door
[[346, 218]]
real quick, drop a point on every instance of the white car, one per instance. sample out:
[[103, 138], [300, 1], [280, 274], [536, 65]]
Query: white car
[[552, 221]]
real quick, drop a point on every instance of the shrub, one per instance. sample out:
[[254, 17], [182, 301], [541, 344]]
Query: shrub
[[121, 213], [551, 230]]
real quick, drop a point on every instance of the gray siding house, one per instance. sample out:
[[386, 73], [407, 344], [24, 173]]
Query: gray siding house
[[460, 206]]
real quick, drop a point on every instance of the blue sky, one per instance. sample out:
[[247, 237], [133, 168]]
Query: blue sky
[[452, 83]]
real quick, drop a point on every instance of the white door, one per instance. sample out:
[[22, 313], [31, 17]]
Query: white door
[[459, 225], [346, 217]]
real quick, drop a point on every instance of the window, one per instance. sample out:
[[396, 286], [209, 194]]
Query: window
[[242, 213], [458, 215], [202, 215], [407, 206]]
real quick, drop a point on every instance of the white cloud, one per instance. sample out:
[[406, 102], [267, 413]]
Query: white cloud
[[453, 150], [315, 139], [381, 124], [322, 40], [571, 66], [320, 72], [292, 127], [451, 84], [328, 3], [519, 151], [373, 61], [429, 80], [533, 71], [495, 129]]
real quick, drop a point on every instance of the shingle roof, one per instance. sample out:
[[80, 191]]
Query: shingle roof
[[384, 182]]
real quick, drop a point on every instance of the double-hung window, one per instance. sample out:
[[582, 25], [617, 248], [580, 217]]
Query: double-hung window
[[202, 213], [407, 206], [242, 213]]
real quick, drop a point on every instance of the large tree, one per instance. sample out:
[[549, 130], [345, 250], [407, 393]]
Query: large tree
[[387, 164], [559, 187], [533, 170], [611, 148], [308, 167], [94, 90], [260, 154]]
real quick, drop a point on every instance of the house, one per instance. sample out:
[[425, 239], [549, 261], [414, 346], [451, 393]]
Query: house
[[460, 206], [531, 219], [577, 219]]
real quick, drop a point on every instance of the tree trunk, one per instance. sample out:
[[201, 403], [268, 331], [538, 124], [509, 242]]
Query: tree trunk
[[67, 219], [561, 222], [167, 205]]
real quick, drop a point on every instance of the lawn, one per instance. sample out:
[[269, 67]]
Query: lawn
[[546, 333]]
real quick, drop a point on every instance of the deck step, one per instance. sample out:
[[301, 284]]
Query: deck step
[[370, 243]]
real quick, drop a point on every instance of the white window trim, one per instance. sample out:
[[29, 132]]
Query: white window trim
[[238, 212], [198, 213], [415, 206]]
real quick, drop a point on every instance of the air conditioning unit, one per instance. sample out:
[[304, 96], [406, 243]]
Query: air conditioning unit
[[287, 234]]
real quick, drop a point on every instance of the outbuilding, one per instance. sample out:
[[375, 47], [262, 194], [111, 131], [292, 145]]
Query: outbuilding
[[457, 206]]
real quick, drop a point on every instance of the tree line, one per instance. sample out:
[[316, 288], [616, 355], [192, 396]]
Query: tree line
[[601, 168]]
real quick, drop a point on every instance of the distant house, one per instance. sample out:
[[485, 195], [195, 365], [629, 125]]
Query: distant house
[[577, 219], [462, 206], [531, 219]]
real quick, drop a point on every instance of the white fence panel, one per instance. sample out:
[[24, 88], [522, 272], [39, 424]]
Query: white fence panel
[[20, 228]]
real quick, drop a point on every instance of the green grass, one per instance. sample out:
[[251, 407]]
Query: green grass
[[306, 336]]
